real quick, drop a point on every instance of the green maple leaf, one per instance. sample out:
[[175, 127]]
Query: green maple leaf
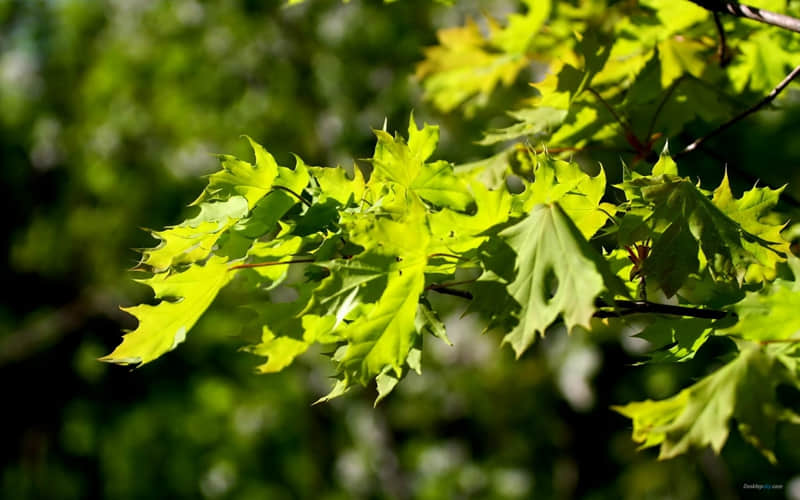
[[335, 184], [559, 114], [753, 212], [675, 340], [384, 330], [680, 208], [466, 66], [350, 283], [676, 18], [770, 313], [669, 111], [194, 239], [383, 335], [669, 262], [405, 165], [283, 195], [280, 249], [241, 178], [427, 320], [764, 62], [535, 123], [576, 192], [457, 232], [557, 273], [287, 332], [699, 416], [163, 326], [241, 197]]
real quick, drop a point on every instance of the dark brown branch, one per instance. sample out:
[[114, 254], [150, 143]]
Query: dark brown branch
[[722, 50], [456, 293], [744, 114], [629, 307], [748, 12], [267, 264], [444, 288]]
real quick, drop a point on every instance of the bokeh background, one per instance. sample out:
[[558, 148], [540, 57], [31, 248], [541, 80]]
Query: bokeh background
[[109, 114]]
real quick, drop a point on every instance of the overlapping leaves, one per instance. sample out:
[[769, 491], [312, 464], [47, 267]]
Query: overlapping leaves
[[693, 232], [620, 76], [744, 391]]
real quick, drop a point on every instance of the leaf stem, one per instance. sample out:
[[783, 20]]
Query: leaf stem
[[267, 264], [445, 255], [284, 188], [630, 136], [609, 108], [663, 103], [744, 114]]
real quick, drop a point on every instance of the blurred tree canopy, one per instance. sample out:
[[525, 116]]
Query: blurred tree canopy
[[110, 113]]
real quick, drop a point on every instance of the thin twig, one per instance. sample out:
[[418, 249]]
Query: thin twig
[[267, 264], [630, 136], [610, 109], [284, 188], [628, 307], [748, 12], [441, 286], [722, 50], [457, 293], [663, 103], [444, 288], [744, 114]]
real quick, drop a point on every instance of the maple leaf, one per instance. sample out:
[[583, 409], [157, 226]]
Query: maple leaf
[[241, 178], [241, 197], [763, 63], [457, 232], [184, 298], [557, 273], [286, 188], [466, 67], [334, 183], [769, 313], [743, 390], [405, 165], [385, 333], [689, 222], [675, 339], [286, 332], [194, 239], [576, 192]]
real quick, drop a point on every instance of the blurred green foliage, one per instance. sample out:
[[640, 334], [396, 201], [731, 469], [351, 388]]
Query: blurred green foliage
[[109, 114]]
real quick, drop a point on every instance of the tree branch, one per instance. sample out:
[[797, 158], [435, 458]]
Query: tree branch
[[628, 307], [744, 114], [748, 12], [444, 288], [722, 50]]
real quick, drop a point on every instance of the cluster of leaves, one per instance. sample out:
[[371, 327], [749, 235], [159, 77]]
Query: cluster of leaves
[[372, 246]]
